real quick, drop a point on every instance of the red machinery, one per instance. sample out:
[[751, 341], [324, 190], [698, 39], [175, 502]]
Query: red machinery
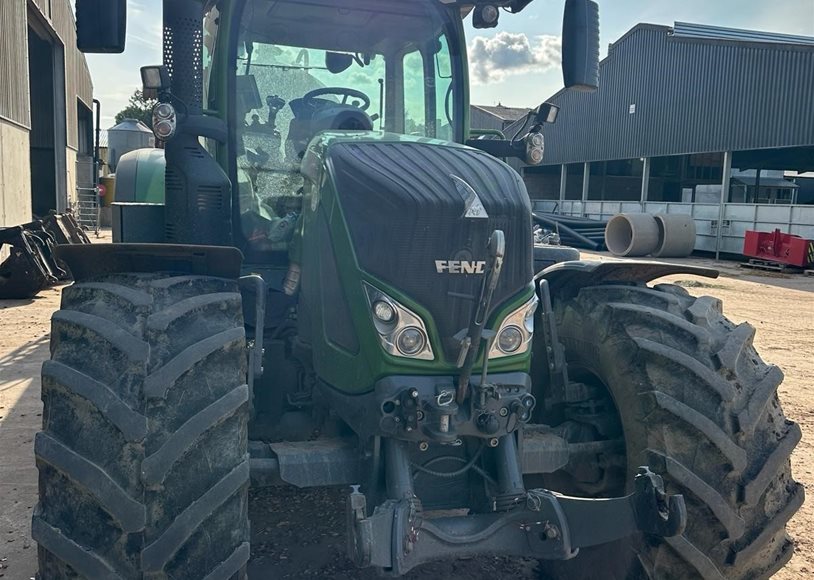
[[779, 247]]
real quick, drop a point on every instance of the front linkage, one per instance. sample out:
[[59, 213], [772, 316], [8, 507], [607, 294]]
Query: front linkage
[[545, 525]]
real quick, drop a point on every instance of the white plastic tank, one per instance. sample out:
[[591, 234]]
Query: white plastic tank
[[127, 136]]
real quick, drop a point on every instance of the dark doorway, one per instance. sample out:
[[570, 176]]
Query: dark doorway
[[47, 138]]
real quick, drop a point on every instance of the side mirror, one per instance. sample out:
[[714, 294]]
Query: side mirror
[[155, 80], [580, 45], [101, 25]]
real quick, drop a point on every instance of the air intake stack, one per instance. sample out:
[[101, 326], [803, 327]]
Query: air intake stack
[[198, 192]]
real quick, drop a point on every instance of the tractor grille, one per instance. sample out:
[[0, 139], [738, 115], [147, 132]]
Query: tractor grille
[[404, 212]]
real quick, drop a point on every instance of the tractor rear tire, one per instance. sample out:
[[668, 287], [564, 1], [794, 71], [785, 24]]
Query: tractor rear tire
[[698, 405], [143, 466]]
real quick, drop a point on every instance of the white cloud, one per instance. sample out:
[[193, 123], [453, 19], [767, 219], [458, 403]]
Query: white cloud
[[510, 53]]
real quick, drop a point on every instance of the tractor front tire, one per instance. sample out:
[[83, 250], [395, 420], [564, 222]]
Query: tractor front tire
[[143, 466], [698, 405]]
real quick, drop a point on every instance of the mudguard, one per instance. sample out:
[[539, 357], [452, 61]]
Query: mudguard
[[568, 277], [88, 261]]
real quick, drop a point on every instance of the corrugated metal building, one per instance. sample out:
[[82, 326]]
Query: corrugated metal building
[[494, 118], [684, 114], [46, 99]]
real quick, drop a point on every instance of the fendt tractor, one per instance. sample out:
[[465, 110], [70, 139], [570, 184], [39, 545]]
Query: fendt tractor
[[338, 290]]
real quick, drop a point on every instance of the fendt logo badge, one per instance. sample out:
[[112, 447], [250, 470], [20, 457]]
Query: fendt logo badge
[[460, 266]]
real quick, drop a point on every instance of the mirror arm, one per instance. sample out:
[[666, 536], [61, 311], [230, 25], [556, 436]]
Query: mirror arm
[[500, 147]]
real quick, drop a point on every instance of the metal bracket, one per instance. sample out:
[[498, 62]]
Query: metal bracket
[[554, 352], [258, 285]]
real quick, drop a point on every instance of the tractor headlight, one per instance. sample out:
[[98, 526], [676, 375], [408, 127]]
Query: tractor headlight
[[401, 331], [384, 312], [510, 339], [535, 148], [410, 341], [164, 121], [515, 332]]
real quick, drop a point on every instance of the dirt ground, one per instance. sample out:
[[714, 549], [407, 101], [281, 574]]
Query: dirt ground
[[288, 542]]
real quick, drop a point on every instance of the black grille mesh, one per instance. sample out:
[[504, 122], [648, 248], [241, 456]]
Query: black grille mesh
[[183, 42], [404, 213]]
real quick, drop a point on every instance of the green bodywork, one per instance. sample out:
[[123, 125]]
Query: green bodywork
[[140, 176], [357, 372]]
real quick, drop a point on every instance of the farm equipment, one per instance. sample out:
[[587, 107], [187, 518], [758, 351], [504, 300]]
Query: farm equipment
[[340, 292], [776, 249], [31, 265]]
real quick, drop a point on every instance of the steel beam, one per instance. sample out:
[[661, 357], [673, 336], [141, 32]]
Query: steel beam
[[645, 181], [723, 201], [563, 183]]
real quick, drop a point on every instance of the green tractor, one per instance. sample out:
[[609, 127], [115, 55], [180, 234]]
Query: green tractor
[[338, 290]]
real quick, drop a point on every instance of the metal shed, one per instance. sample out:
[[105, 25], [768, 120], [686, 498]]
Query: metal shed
[[683, 111]]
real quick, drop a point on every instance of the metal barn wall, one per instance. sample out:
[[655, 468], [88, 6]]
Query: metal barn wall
[[13, 63], [78, 84], [690, 96], [54, 19]]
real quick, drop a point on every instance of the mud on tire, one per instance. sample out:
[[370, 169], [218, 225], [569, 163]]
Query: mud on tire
[[143, 467], [700, 407]]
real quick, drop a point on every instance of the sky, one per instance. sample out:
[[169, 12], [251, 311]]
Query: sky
[[516, 64]]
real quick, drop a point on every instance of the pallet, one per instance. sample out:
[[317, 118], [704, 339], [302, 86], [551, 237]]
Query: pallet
[[767, 265]]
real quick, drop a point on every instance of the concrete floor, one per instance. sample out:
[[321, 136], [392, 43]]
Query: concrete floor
[[24, 332]]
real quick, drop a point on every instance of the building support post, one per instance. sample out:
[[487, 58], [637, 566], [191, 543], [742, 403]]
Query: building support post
[[724, 200], [645, 181], [586, 182], [563, 184]]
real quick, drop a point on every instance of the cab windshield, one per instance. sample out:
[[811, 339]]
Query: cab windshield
[[328, 65]]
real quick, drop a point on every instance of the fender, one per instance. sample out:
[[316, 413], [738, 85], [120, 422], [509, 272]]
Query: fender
[[567, 278], [88, 261]]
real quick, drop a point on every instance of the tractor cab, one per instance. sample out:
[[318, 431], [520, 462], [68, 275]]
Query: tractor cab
[[299, 71]]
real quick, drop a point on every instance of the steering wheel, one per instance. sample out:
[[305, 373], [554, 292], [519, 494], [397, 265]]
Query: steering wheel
[[346, 93]]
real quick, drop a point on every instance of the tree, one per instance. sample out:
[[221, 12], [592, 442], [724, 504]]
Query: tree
[[138, 108]]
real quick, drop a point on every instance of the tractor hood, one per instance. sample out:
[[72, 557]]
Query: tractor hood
[[419, 214]]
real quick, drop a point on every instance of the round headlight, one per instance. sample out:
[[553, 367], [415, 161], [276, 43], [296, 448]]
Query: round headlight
[[384, 311], [164, 130], [510, 339], [535, 156], [411, 341], [164, 111]]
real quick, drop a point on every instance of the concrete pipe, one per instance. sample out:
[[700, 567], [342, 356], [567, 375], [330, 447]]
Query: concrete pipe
[[676, 235], [631, 234]]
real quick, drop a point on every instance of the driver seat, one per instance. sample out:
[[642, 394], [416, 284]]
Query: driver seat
[[321, 115]]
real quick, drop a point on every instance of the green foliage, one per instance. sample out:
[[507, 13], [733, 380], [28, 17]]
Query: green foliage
[[138, 108]]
